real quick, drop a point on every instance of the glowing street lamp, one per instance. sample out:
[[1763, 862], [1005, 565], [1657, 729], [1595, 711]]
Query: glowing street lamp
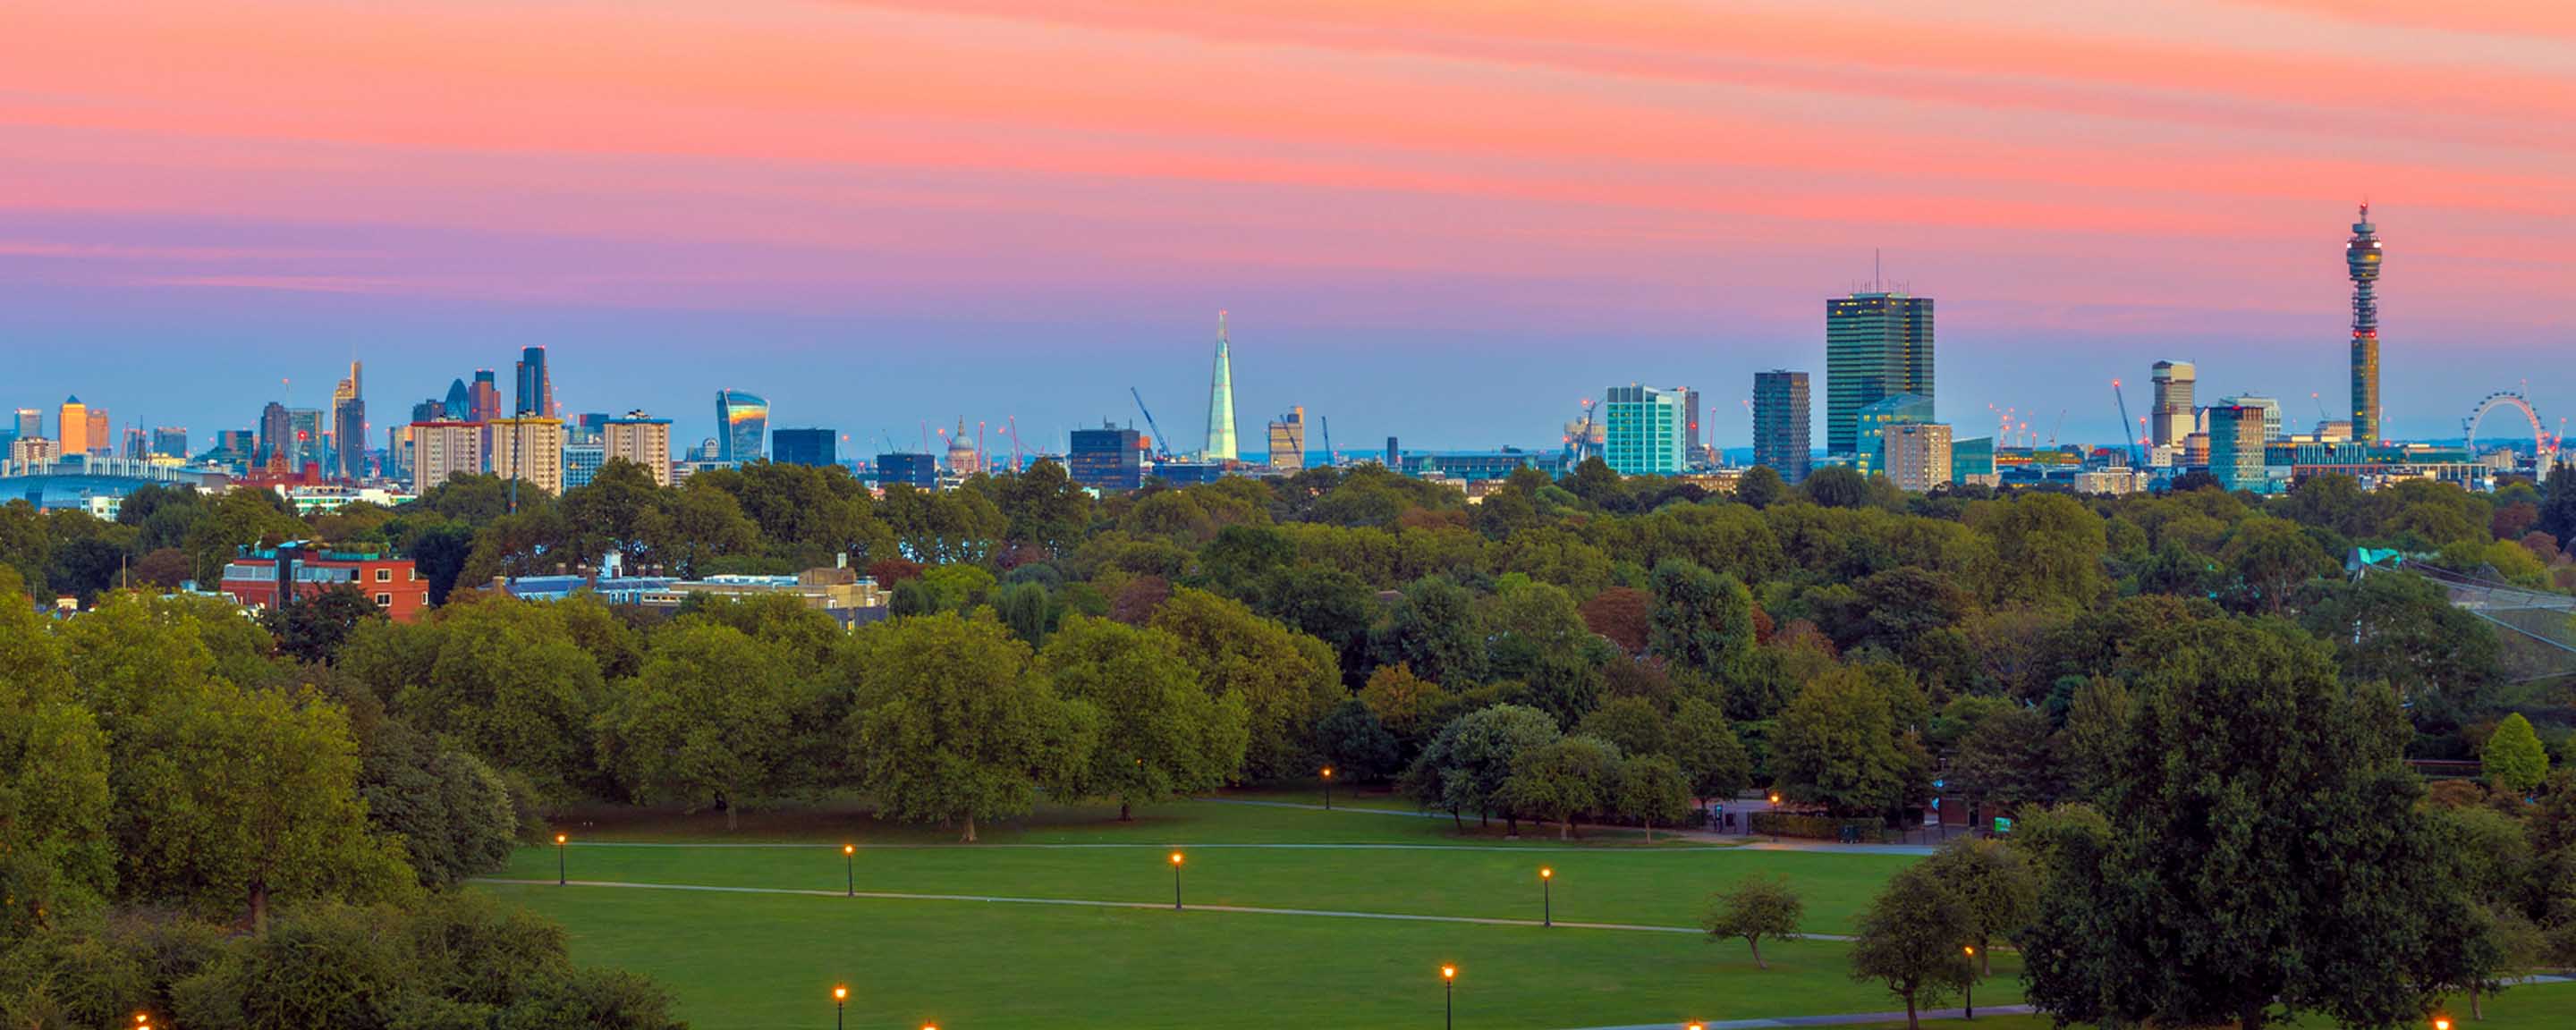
[[1971, 989], [560, 839], [1449, 997], [840, 997], [1176, 881], [1328, 788], [2441, 1023], [850, 870], [1546, 896]]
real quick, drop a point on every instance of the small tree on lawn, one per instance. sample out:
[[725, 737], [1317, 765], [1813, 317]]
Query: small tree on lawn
[[1914, 939], [1653, 790], [1997, 890], [1756, 907], [2513, 759], [1563, 779]]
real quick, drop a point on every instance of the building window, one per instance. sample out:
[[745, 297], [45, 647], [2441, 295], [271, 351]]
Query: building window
[[384, 600], [384, 575]]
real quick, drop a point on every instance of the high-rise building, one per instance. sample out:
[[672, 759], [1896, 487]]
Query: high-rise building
[[170, 441], [817, 447], [1877, 345], [581, 462], [72, 428], [442, 450], [233, 446], [1973, 461], [1107, 459], [102, 435], [138, 444], [431, 410], [349, 427], [1220, 424], [276, 437], [306, 432], [641, 440], [1918, 456], [2271, 411], [1394, 455], [1288, 440], [919, 470], [742, 426], [1781, 422], [2361, 261], [2174, 415], [32, 450], [528, 449], [459, 403], [1690, 418], [536, 392], [589, 426], [31, 423], [1643, 434], [2236, 446], [1873, 422], [483, 399]]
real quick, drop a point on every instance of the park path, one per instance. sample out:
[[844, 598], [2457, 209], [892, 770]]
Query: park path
[[1839, 1019], [1741, 840], [1095, 903]]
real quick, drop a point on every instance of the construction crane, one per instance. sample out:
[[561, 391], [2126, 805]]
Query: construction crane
[[1011, 429], [2055, 426], [1330, 458], [1578, 437], [2129, 443], [1162, 446]]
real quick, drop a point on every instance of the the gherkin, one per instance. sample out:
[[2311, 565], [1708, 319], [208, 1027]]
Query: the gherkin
[[1220, 426]]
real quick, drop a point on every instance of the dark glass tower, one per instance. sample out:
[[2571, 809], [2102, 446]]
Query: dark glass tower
[[2361, 261], [536, 392], [1877, 345], [1781, 423]]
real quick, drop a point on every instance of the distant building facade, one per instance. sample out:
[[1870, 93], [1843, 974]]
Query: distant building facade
[[1288, 440], [641, 440], [1782, 421], [257, 579], [817, 447], [1873, 422], [2236, 439], [1644, 433], [1918, 456], [528, 449], [742, 424], [1108, 459], [442, 450], [2174, 414], [1877, 345], [920, 470]]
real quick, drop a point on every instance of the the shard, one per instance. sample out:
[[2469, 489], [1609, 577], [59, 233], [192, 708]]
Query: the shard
[[1220, 427]]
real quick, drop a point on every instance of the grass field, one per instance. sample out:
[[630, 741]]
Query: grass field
[[743, 960]]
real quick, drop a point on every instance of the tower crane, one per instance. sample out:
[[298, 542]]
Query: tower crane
[[1162, 447], [2129, 445], [2052, 429], [1011, 429], [1330, 459]]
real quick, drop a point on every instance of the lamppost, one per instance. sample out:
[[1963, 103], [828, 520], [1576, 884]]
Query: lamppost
[[850, 870], [1971, 989], [840, 996], [1328, 788], [1546, 896], [559, 859], [142, 1021], [1176, 881], [1448, 997], [2441, 1023], [1775, 817]]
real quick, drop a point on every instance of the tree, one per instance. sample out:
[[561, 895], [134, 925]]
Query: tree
[[1161, 736], [1702, 620], [1761, 487], [2558, 503], [1913, 939], [311, 629], [1406, 704], [2249, 782], [1433, 627], [1707, 750], [1562, 779], [1633, 723], [1287, 679], [2273, 558], [503, 677], [2513, 758], [1622, 614], [2048, 550], [56, 858], [1756, 907], [1466, 764], [1996, 888], [1653, 790], [1836, 486], [705, 720], [950, 726], [454, 814], [1837, 746], [1356, 745], [1534, 634]]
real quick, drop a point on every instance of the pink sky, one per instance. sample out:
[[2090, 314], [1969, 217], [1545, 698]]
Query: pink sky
[[2101, 171]]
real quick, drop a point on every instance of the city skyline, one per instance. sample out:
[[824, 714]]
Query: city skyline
[[1503, 203]]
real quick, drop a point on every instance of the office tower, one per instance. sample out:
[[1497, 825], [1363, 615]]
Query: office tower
[[1220, 424], [304, 427], [1781, 422], [1973, 461], [590, 425], [349, 427], [2271, 411], [170, 441], [483, 399], [528, 449], [641, 440], [1877, 345], [2361, 261], [2236, 437], [1690, 418], [1874, 420], [919, 470], [1107, 459], [816, 447], [31, 423], [2174, 414], [431, 410], [137, 446], [742, 421], [581, 462], [72, 428], [1288, 440], [1394, 455], [234, 446], [398, 451], [442, 450], [276, 437], [536, 392], [1918, 456], [459, 403], [1644, 431], [32, 450]]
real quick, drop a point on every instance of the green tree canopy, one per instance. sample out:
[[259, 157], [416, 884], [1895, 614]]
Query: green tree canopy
[[1756, 907], [951, 726], [1161, 736]]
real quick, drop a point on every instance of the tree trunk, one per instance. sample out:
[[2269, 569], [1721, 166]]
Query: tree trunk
[[730, 823], [970, 828], [1124, 815], [1511, 826], [1650, 832], [1565, 829], [1755, 941], [1911, 1022], [2251, 1018], [1455, 821], [2477, 1011], [259, 908], [1985, 958]]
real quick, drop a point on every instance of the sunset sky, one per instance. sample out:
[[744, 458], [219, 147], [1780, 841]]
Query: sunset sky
[[1443, 219]]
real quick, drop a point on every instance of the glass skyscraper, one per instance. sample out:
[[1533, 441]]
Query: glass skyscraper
[[1645, 430], [1107, 459], [1877, 345], [536, 392], [1874, 421], [742, 420], [817, 447], [1782, 421]]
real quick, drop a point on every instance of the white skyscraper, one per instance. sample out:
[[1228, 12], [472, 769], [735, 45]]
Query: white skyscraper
[[1220, 428]]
